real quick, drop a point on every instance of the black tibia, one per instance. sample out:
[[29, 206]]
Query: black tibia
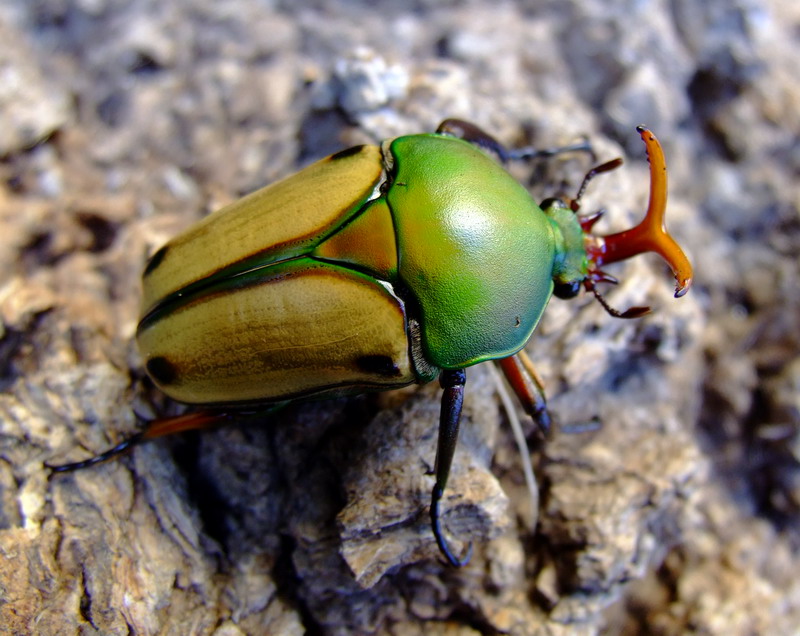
[[452, 382]]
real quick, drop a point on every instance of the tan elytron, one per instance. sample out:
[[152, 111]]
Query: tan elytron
[[307, 330], [283, 218]]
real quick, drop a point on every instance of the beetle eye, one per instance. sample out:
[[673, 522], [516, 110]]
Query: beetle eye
[[567, 290], [552, 202]]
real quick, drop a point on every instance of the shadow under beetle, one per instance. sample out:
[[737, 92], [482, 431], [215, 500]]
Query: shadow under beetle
[[376, 268]]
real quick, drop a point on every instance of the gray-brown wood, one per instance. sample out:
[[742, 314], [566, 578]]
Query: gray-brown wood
[[674, 508]]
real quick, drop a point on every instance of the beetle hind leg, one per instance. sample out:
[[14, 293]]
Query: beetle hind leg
[[452, 382], [155, 428], [119, 449]]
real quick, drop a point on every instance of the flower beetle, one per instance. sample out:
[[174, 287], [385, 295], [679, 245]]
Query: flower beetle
[[372, 269]]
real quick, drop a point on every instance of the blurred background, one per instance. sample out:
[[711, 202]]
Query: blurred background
[[669, 495]]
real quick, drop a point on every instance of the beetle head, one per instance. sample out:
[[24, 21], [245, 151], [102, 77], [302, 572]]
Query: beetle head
[[580, 265], [571, 265]]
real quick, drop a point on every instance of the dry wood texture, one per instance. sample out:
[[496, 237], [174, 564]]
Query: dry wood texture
[[676, 512]]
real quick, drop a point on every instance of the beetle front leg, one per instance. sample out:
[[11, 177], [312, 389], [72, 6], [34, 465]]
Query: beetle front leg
[[525, 382], [452, 381]]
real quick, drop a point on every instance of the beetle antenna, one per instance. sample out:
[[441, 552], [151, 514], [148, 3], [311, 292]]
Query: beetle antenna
[[632, 312]]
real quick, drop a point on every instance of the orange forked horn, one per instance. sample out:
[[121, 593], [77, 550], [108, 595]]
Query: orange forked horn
[[651, 234]]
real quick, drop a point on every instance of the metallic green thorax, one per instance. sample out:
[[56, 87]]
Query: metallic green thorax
[[474, 249]]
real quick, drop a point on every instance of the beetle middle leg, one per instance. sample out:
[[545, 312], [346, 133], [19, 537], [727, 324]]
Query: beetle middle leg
[[452, 381], [528, 386]]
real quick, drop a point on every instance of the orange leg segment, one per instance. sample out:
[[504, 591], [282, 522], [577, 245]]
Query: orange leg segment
[[528, 386], [156, 428]]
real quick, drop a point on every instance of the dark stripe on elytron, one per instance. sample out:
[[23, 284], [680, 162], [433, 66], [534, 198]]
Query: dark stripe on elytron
[[247, 266], [251, 278], [296, 249], [214, 286], [155, 260], [229, 272], [288, 250], [378, 364], [347, 152]]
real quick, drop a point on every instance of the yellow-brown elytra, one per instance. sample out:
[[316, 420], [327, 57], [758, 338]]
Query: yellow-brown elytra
[[376, 268]]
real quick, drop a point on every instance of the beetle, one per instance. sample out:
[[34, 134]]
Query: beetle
[[376, 268]]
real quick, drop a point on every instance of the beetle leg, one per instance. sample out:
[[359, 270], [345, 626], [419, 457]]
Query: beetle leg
[[528, 386], [155, 428], [452, 382], [476, 135], [528, 153]]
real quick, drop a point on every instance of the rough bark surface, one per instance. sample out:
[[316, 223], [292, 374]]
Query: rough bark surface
[[670, 494]]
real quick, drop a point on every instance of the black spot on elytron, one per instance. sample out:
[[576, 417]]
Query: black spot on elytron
[[161, 370], [378, 364], [155, 260], [347, 152]]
